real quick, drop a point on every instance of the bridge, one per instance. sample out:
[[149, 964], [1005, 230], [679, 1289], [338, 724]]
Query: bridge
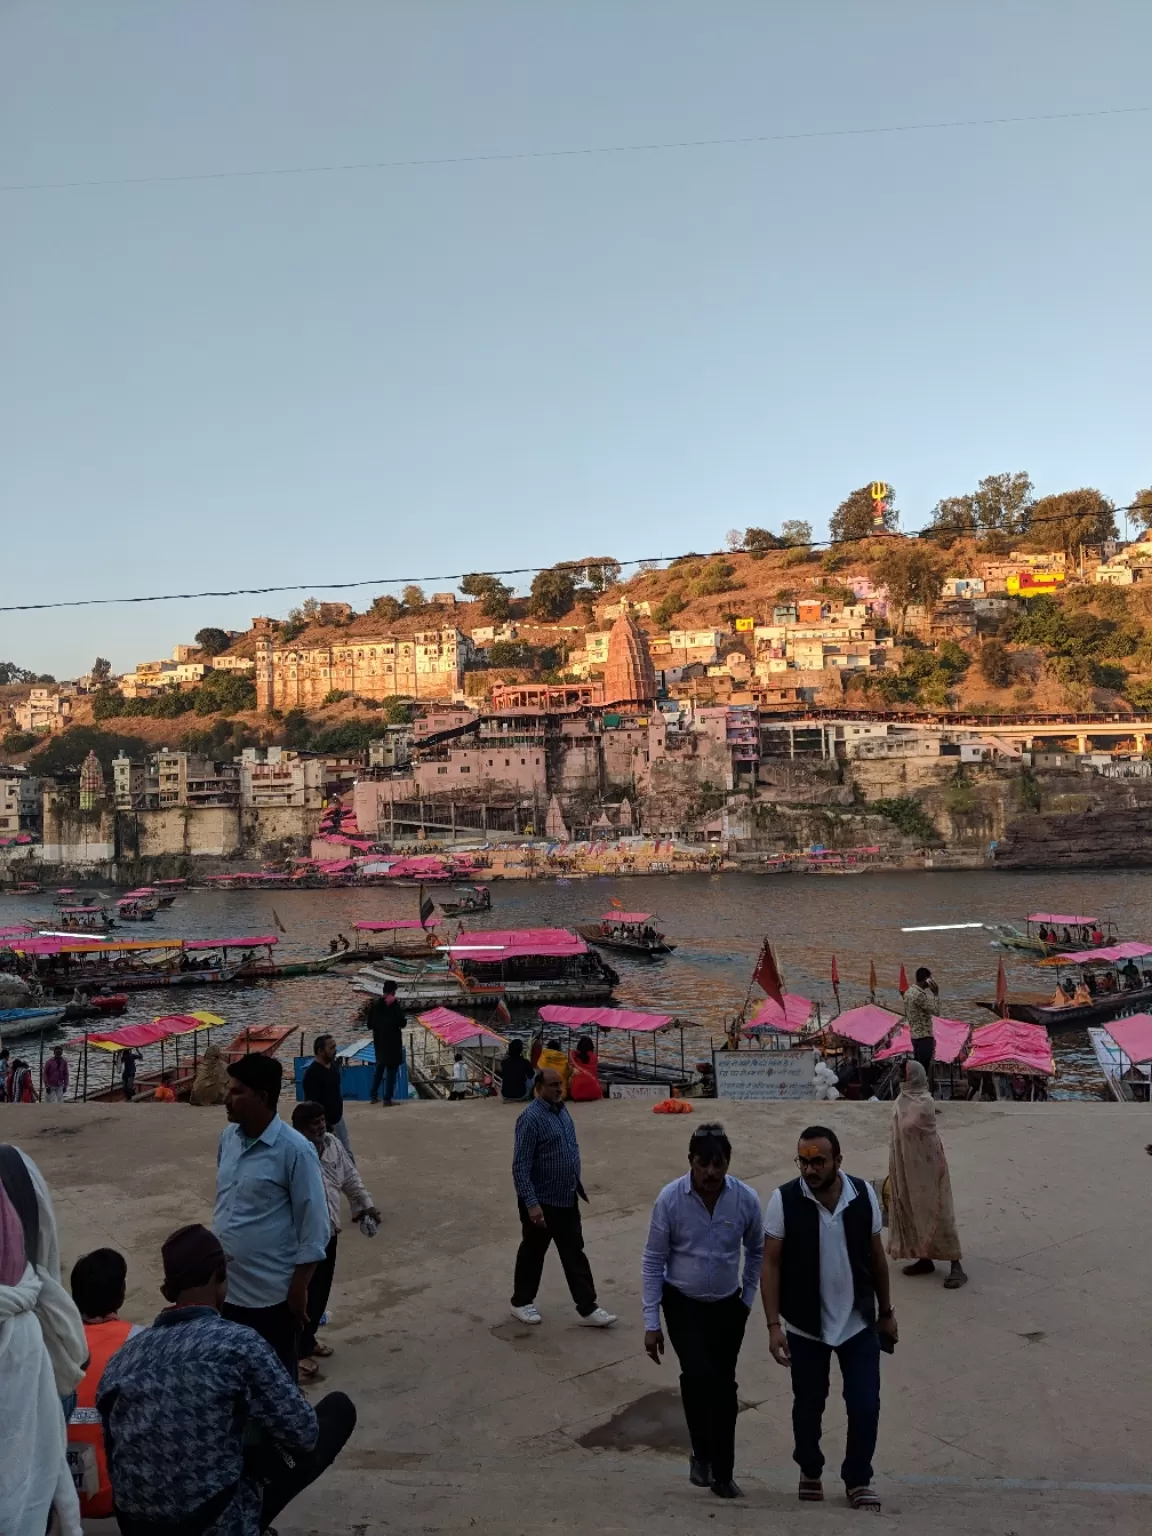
[[1021, 728]]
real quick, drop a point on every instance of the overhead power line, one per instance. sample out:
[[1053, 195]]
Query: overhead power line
[[932, 531], [588, 150]]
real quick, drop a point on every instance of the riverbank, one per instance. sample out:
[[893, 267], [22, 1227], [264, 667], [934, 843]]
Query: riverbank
[[1017, 1404]]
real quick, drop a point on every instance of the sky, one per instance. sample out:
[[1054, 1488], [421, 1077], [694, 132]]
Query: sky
[[242, 381]]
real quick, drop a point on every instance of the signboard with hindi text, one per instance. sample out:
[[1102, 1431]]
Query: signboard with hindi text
[[638, 1090], [765, 1075]]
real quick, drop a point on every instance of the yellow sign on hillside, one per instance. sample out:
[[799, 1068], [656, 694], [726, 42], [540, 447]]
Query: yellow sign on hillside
[[745, 624]]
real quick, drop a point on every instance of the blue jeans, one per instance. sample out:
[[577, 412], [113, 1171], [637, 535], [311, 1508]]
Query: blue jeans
[[389, 1074], [340, 1131], [859, 1359]]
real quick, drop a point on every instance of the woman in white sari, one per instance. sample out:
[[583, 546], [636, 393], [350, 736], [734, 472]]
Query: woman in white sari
[[42, 1357], [921, 1218]]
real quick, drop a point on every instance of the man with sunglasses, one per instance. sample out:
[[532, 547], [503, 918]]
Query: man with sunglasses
[[700, 1225], [825, 1291]]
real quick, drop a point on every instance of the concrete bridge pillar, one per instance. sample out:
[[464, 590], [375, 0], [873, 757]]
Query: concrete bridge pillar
[[1081, 743], [1141, 741]]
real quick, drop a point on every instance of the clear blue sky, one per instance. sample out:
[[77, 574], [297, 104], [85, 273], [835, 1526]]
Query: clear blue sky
[[227, 383]]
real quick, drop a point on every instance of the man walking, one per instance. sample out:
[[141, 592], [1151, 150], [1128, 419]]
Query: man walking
[[824, 1272], [546, 1172], [203, 1430], [271, 1212], [386, 1021], [701, 1223], [919, 1005], [55, 1080], [322, 1086]]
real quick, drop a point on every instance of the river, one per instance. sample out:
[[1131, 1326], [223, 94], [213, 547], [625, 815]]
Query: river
[[718, 923]]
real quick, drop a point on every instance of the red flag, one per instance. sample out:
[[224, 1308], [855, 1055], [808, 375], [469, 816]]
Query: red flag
[[767, 975], [871, 975], [835, 973], [616, 902], [500, 1012], [902, 984], [1001, 991]]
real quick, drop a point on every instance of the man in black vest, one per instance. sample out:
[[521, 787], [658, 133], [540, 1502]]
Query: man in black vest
[[824, 1273]]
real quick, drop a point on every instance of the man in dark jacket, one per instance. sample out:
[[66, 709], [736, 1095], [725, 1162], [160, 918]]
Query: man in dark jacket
[[824, 1273], [386, 1021], [322, 1086]]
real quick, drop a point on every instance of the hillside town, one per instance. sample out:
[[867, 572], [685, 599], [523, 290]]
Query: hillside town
[[897, 694]]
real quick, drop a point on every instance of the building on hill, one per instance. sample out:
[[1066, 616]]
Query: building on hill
[[44, 710], [546, 696], [629, 676], [427, 665]]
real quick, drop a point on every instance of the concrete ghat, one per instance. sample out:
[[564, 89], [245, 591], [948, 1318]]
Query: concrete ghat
[[1017, 1404]]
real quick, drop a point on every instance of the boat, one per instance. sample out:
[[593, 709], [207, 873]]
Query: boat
[[525, 966], [63, 964], [161, 898], [472, 898], [136, 908], [88, 919], [1109, 993], [262, 1040], [379, 940], [25, 888], [633, 933], [255, 958], [1075, 930], [101, 1006], [16, 1022], [1126, 1071]]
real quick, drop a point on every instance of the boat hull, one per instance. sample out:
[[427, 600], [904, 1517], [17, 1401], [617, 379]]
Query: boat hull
[[624, 946], [1115, 1005], [443, 988], [141, 982]]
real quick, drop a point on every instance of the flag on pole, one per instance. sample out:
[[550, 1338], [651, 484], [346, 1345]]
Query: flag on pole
[[276, 919], [500, 1013], [617, 903], [836, 982], [427, 907], [902, 984], [872, 978], [1001, 991], [767, 974]]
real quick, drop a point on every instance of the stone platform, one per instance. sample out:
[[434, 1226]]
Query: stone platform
[[1018, 1404]]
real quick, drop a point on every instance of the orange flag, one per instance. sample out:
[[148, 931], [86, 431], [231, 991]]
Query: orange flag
[[1001, 991], [871, 975], [902, 984]]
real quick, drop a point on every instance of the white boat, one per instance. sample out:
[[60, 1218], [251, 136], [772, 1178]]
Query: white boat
[[1126, 1083]]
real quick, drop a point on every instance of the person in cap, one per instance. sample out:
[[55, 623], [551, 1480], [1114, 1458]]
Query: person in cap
[[204, 1430], [271, 1212]]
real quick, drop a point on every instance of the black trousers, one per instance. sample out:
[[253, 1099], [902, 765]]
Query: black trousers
[[924, 1051], [284, 1474], [276, 1326], [387, 1075], [319, 1290], [562, 1227], [859, 1359], [707, 1336]]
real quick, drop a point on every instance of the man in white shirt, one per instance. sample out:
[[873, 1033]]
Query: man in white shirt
[[824, 1285]]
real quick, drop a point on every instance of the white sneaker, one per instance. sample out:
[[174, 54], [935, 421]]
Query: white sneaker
[[528, 1314], [598, 1319]]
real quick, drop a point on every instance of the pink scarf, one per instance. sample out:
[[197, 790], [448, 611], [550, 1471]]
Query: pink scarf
[[12, 1260]]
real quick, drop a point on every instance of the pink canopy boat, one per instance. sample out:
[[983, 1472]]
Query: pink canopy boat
[[951, 1036]]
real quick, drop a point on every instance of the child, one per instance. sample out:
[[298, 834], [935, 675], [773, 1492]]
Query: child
[[98, 1286], [165, 1093], [459, 1078]]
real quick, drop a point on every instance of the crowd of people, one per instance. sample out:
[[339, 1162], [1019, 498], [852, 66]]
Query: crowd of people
[[196, 1423]]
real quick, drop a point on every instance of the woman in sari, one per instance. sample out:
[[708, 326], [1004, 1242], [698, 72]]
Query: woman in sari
[[585, 1082], [921, 1220]]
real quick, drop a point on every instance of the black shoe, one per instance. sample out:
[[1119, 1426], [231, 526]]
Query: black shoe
[[727, 1490], [699, 1473]]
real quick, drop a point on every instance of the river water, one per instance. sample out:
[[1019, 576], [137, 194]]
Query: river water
[[718, 923]]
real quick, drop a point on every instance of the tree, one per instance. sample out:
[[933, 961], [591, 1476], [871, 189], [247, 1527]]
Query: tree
[[796, 533], [68, 749], [854, 517], [1000, 503], [225, 693], [758, 541], [912, 573], [18, 741], [11, 673], [1071, 518], [212, 641], [601, 572], [494, 597], [552, 593], [995, 665], [1141, 508], [101, 670], [734, 541], [413, 597], [387, 608]]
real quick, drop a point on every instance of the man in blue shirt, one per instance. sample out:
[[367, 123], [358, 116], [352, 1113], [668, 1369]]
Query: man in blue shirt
[[700, 1225], [546, 1172], [271, 1212]]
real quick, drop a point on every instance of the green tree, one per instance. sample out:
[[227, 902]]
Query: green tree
[[107, 702], [101, 669], [296, 730], [68, 749], [212, 641], [995, 665], [386, 607], [1072, 518], [758, 541], [552, 593], [713, 579], [494, 597], [1000, 503], [18, 741], [413, 597], [853, 518], [1141, 509], [912, 573], [795, 532], [225, 693], [673, 603], [601, 572]]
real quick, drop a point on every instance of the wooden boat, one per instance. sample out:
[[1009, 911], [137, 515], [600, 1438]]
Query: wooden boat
[[63, 964], [261, 1040], [525, 966], [25, 888], [632, 933], [381, 940], [136, 909], [87, 919], [272, 970], [18, 1022], [1111, 993], [254, 955], [472, 898], [102, 1006], [1076, 932]]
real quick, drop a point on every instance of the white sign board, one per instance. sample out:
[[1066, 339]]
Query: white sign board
[[765, 1074], [638, 1091]]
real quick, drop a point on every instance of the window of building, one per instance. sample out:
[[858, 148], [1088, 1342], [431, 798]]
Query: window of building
[[465, 770], [441, 770]]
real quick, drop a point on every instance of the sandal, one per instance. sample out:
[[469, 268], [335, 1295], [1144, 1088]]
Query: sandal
[[322, 1351], [811, 1490], [864, 1498], [309, 1369]]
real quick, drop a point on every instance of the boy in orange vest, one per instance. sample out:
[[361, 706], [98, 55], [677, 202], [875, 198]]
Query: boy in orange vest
[[98, 1287]]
